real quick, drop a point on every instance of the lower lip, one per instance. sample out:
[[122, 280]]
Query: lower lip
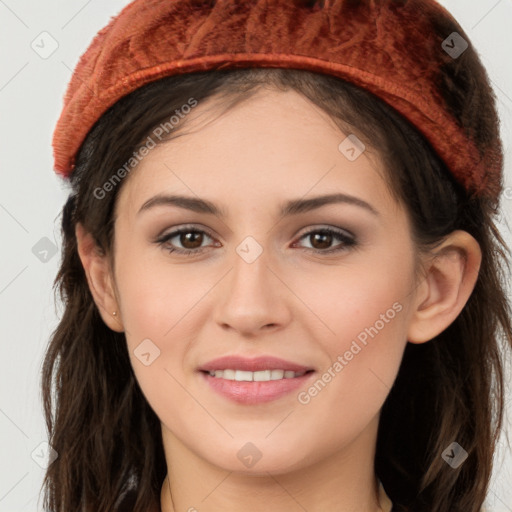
[[251, 392]]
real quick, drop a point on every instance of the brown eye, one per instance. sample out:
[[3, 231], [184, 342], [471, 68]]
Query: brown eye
[[322, 239], [190, 239]]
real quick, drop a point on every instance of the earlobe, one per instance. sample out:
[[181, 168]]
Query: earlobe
[[99, 278], [451, 276]]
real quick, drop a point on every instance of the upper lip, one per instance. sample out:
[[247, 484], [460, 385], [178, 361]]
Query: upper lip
[[237, 362]]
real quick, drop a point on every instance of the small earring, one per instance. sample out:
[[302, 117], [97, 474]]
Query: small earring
[[114, 313]]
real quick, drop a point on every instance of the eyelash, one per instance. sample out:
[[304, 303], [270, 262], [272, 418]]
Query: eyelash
[[347, 240]]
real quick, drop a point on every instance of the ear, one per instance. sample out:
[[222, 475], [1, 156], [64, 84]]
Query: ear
[[99, 278], [450, 278]]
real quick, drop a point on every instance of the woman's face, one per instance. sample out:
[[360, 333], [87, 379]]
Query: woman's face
[[258, 283]]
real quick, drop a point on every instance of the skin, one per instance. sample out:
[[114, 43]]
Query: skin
[[293, 302]]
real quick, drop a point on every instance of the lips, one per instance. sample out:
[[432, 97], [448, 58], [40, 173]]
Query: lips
[[237, 362]]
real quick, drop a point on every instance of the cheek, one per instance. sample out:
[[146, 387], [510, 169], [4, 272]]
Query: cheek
[[156, 305], [160, 305], [363, 317], [156, 295], [351, 302]]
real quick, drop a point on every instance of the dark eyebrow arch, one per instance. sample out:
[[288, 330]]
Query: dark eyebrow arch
[[293, 207]]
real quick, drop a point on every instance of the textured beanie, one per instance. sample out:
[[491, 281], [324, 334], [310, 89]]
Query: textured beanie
[[412, 54]]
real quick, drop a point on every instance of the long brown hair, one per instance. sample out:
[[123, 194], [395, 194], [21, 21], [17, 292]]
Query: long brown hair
[[449, 389]]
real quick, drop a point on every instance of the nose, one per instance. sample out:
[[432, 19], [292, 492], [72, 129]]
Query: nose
[[252, 298]]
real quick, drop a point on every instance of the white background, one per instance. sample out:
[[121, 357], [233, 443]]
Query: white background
[[31, 198]]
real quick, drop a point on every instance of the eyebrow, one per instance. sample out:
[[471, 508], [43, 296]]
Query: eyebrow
[[292, 207]]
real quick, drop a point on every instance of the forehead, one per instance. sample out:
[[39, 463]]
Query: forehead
[[272, 141]]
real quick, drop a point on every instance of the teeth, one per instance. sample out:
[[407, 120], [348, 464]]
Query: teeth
[[260, 376]]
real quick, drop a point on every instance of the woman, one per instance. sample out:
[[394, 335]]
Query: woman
[[283, 283]]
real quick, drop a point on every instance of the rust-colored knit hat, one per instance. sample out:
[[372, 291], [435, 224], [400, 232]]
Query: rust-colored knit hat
[[410, 53]]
